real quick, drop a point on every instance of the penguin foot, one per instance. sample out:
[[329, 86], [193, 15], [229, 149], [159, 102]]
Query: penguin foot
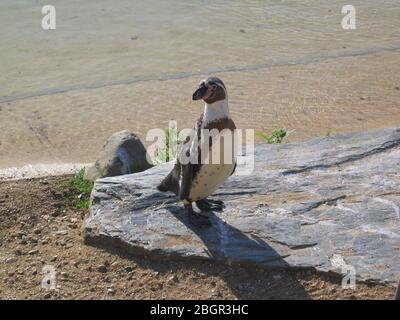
[[209, 205]]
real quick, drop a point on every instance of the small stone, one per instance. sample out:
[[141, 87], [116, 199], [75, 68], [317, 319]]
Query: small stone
[[216, 293], [55, 214], [54, 258], [173, 278], [62, 243], [102, 268], [37, 231], [11, 260], [21, 234], [128, 269], [110, 291], [34, 251]]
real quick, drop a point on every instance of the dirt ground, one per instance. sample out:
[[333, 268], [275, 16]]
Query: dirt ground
[[37, 229]]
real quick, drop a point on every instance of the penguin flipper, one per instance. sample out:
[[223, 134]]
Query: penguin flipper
[[234, 168], [171, 181], [186, 181]]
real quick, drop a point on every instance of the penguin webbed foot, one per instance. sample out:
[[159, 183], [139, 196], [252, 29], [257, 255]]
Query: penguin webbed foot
[[197, 219], [209, 205]]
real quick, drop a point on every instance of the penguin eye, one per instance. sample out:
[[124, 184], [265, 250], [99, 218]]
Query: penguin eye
[[214, 87]]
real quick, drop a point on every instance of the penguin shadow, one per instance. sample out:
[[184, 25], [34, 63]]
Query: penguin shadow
[[229, 245]]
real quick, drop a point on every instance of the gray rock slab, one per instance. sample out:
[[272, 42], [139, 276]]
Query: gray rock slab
[[330, 203]]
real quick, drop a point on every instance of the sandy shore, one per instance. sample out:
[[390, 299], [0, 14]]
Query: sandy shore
[[337, 95], [40, 170]]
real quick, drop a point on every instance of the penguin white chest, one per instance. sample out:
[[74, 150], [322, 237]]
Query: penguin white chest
[[208, 179]]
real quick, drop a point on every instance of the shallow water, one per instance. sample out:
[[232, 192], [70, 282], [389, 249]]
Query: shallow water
[[98, 43], [286, 64]]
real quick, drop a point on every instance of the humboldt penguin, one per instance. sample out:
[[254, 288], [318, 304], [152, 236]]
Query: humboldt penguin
[[194, 181]]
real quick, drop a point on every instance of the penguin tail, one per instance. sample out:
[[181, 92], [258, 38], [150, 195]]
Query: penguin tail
[[162, 186], [165, 185]]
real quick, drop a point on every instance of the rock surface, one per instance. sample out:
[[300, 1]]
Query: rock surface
[[329, 203], [123, 153]]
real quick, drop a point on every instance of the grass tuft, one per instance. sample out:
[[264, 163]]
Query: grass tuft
[[331, 133], [79, 191], [276, 137], [171, 141]]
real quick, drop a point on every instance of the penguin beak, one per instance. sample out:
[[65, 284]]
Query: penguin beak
[[200, 92]]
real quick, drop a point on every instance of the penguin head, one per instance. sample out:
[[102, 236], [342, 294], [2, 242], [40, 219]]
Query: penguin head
[[210, 90]]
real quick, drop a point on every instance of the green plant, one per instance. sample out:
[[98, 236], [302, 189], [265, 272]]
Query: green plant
[[276, 137], [79, 191], [331, 133], [167, 152]]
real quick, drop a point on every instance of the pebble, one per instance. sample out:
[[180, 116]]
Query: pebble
[[21, 234], [32, 252], [102, 268], [173, 278], [216, 293], [11, 260], [62, 243], [61, 232], [128, 269], [110, 291]]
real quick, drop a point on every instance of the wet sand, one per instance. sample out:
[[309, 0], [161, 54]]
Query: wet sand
[[339, 95]]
